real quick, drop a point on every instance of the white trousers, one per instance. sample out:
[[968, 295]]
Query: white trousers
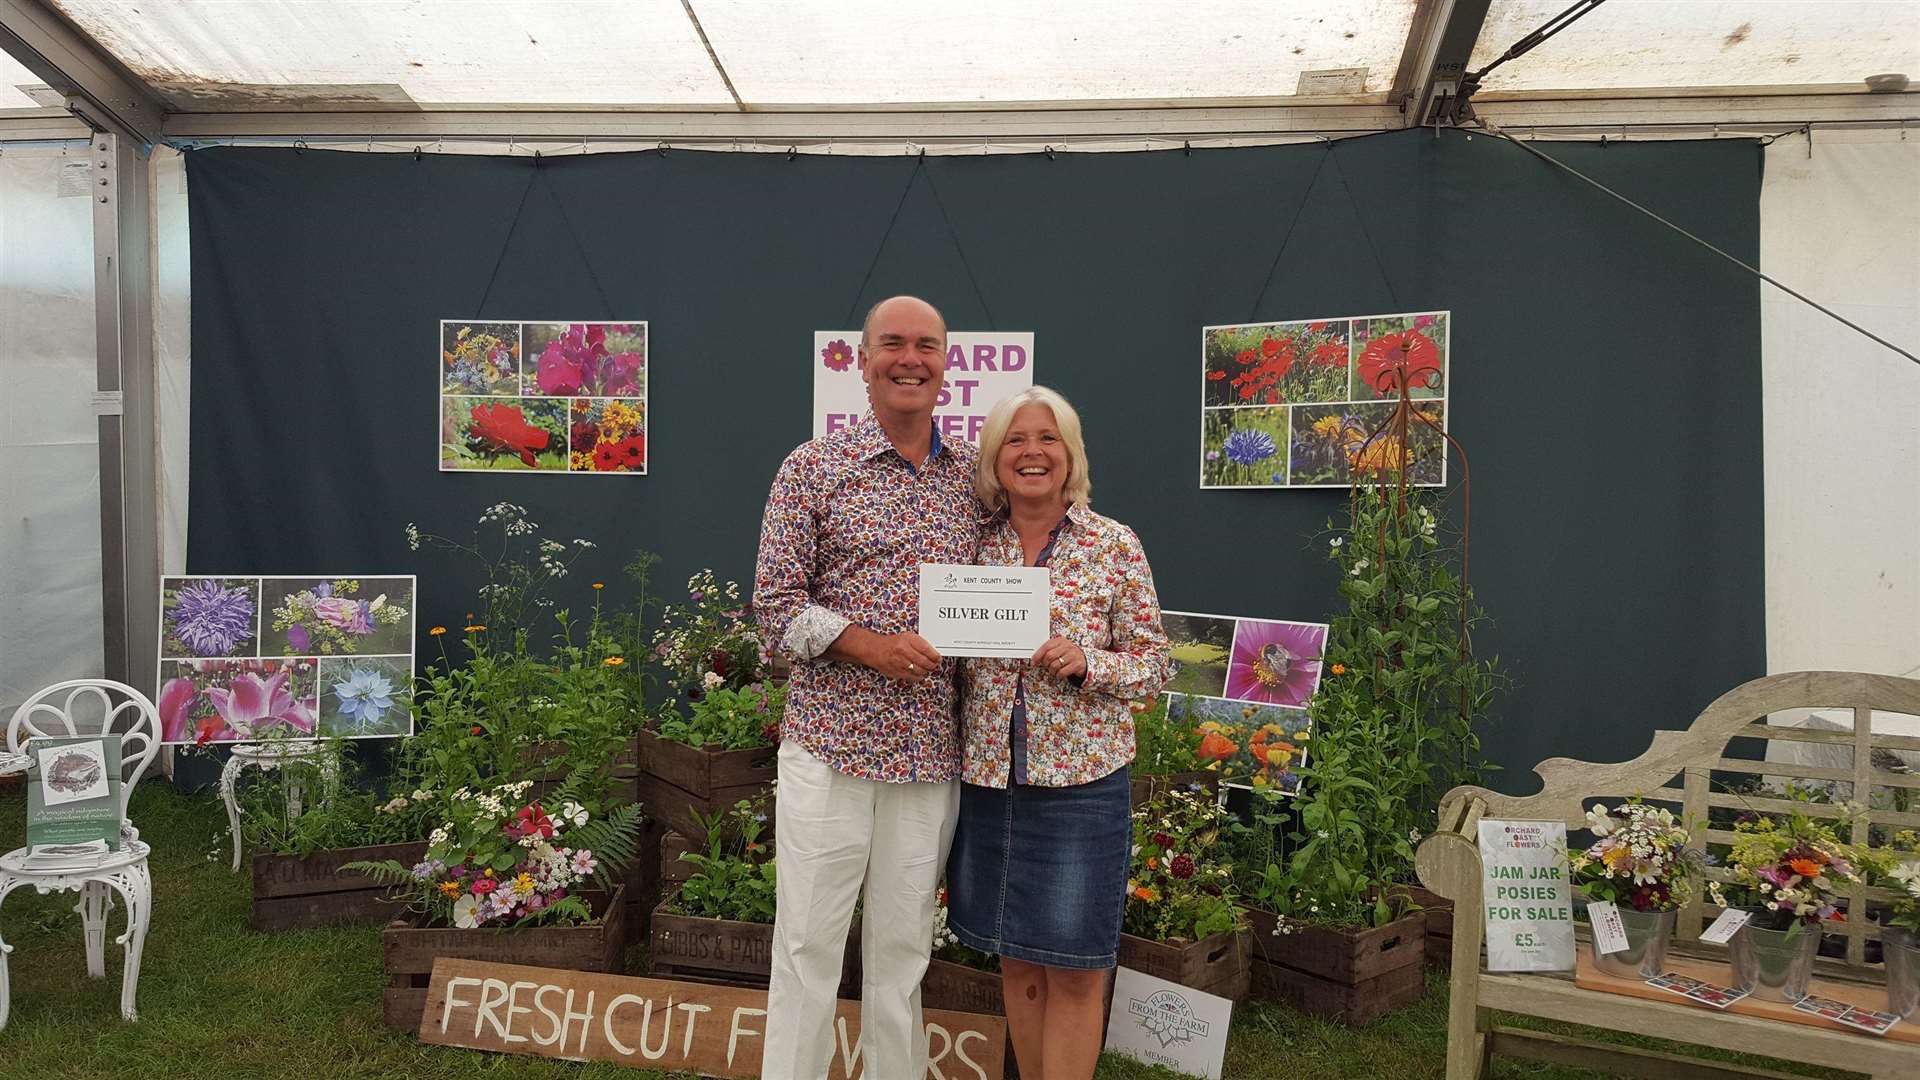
[[832, 833]]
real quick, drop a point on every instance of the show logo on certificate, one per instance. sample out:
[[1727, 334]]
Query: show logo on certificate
[[1245, 684], [1296, 404], [244, 657], [983, 368], [550, 397]]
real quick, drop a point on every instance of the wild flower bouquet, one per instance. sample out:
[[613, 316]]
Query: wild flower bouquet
[[1887, 868], [709, 642], [498, 860], [734, 878], [1180, 886], [1787, 874], [1640, 860], [729, 719]]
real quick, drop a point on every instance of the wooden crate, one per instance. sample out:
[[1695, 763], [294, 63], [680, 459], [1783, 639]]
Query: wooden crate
[[408, 952], [1219, 965], [676, 780], [962, 989], [294, 891], [626, 770], [1348, 975], [1438, 911], [725, 951]]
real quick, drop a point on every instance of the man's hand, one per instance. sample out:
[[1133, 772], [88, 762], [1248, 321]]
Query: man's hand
[[906, 656]]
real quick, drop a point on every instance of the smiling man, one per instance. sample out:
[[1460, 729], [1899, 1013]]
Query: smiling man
[[869, 744]]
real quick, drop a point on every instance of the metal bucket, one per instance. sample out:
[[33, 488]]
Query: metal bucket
[[1774, 965], [1648, 933]]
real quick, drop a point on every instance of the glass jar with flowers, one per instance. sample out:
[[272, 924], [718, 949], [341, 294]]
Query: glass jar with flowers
[[1897, 869], [1788, 876], [1639, 863]]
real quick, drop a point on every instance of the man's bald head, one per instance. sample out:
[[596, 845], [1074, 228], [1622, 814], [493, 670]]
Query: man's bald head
[[896, 303]]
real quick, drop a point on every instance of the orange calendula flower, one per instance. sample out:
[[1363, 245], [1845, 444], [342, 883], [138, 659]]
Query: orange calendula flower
[[437, 631], [599, 584], [1153, 863], [1145, 893], [1339, 669], [1806, 868], [475, 628], [451, 888], [614, 661]]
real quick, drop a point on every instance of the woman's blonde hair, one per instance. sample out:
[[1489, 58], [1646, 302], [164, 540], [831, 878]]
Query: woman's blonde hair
[[986, 481]]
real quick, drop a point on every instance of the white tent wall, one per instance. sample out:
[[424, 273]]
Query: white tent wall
[[173, 379], [50, 488], [1841, 412]]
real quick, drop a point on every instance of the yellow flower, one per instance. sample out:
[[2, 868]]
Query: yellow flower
[[614, 661], [1328, 427], [523, 885], [599, 584], [450, 888], [437, 631]]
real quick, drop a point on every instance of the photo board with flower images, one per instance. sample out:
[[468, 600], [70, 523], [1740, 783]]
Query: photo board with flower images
[[543, 396], [1242, 687], [247, 657], [1296, 404], [983, 369]]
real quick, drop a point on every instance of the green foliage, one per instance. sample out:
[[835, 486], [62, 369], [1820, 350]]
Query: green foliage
[[1180, 885], [729, 719], [1396, 721], [734, 878], [1161, 747], [710, 641], [348, 818]]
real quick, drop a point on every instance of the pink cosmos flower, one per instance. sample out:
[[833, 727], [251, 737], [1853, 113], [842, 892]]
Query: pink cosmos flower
[[838, 355], [250, 703], [1275, 662]]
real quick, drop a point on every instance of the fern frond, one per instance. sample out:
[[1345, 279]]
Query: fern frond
[[612, 837], [386, 872]]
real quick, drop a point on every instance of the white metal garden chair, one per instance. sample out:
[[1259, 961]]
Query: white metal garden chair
[[133, 717]]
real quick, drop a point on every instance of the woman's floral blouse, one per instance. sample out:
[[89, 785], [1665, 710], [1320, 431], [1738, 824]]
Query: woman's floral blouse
[[1078, 730]]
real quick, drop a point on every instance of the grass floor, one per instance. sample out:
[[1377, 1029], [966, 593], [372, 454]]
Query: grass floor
[[218, 1000]]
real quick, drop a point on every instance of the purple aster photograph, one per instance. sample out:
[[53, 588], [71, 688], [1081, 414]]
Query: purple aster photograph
[[209, 617], [1277, 663]]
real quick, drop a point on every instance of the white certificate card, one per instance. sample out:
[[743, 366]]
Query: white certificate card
[[985, 610]]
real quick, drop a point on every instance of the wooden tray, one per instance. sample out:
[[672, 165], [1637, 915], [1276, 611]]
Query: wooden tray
[[1864, 995]]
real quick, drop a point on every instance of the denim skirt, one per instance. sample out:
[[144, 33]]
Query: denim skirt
[[1040, 873]]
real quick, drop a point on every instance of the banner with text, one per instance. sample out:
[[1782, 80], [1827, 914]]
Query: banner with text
[[983, 368], [1527, 895], [663, 1024]]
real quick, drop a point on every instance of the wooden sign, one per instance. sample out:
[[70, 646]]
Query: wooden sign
[[660, 1024]]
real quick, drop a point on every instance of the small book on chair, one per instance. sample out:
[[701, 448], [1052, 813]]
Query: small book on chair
[[73, 801]]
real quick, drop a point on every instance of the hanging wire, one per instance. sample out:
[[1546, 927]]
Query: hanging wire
[[1744, 265]]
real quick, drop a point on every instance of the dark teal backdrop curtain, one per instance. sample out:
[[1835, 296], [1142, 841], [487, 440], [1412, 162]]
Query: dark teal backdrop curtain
[[1606, 374]]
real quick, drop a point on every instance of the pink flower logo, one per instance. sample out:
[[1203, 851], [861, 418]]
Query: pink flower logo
[[838, 355]]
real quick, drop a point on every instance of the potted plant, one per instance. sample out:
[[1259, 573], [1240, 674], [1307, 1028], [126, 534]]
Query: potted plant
[[1164, 751], [509, 880], [1788, 877], [717, 926], [1640, 864], [714, 745], [1182, 921], [1900, 919], [298, 859]]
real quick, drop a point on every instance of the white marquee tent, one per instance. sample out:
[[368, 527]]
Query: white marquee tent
[[99, 98]]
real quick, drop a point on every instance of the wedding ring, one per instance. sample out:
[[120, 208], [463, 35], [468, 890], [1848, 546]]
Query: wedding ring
[[912, 669]]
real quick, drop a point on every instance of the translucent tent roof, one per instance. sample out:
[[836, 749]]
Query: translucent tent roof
[[227, 55], [12, 78]]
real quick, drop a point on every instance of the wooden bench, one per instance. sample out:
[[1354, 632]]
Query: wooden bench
[[1449, 864]]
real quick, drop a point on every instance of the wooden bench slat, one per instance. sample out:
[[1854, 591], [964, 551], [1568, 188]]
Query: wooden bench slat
[[1615, 1059], [1880, 740], [1875, 777]]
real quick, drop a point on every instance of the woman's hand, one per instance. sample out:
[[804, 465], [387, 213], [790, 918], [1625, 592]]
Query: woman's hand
[[1061, 658]]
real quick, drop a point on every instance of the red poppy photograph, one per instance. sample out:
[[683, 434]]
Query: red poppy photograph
[[1275, 363]]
